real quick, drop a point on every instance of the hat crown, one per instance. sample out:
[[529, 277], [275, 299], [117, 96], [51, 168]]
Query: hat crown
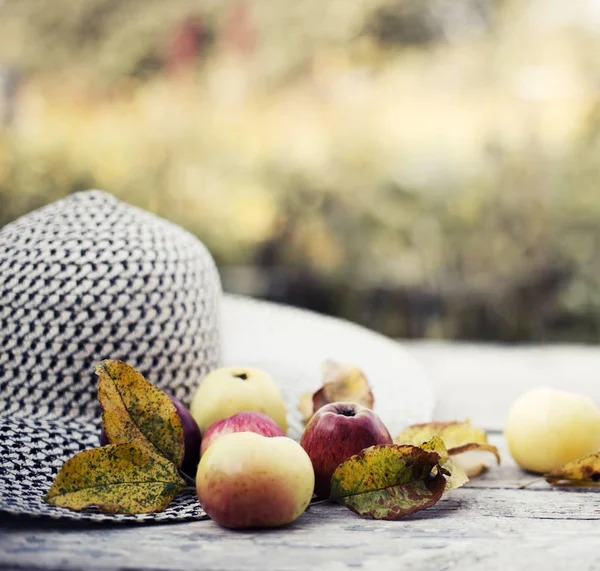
[[89, 278]]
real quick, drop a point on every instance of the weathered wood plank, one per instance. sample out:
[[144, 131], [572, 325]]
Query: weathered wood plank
[[479, 523], [488, 524]]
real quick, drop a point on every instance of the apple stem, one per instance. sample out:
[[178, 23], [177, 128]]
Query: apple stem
[[188, 479]]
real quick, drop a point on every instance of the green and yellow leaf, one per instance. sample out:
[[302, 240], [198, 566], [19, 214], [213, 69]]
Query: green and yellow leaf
[[389, 482], [134, 410], [455, 475], [458, 437], [126, 478], [584, 472], [436, 444]]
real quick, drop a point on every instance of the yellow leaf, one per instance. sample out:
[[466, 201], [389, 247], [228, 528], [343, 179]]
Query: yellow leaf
[[389, 481], [584, 471], [135, 410], [458, 437], [453, 434], [458, 476], [121, 478]]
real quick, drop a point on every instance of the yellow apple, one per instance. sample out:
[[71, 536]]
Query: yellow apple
[[229, 390], [547, 428], [248, 480]]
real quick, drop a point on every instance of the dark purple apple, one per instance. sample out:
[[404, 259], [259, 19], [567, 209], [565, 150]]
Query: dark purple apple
[[334, 433], [241, 422], [191, 435]]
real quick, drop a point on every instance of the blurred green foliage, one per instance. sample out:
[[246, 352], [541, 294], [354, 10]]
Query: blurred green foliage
[[426, 168]]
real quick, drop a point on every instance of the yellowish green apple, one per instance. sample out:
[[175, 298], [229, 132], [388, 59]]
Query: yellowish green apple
[[546, 428], [248, 480], [229, 390]]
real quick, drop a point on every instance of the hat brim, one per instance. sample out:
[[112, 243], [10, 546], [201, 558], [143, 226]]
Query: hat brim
[[32, 452], [289, 343]]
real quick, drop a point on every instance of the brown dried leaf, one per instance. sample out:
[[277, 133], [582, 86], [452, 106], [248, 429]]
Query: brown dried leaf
[[126, 478], [389, 481], [341, 383], [344, 383], [136, 411]]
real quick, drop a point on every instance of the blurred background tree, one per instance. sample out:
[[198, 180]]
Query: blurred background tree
[[426, 168]]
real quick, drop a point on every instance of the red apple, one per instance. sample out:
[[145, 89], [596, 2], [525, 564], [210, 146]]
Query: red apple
[[334, 433], [191, 435], [241, 422]]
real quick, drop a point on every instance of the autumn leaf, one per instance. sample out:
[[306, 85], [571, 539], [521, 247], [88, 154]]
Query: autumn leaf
[[135, 410], [126, 478], [475, 446], [455, 475], [458, 437], [389, 481], [341, 383], [453, 433], [584, 472]]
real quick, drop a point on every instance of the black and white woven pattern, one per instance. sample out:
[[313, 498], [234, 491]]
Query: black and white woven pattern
[[85, 279], [32, 452]]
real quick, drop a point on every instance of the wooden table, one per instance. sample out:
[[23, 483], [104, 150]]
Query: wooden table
[[489, 524]]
